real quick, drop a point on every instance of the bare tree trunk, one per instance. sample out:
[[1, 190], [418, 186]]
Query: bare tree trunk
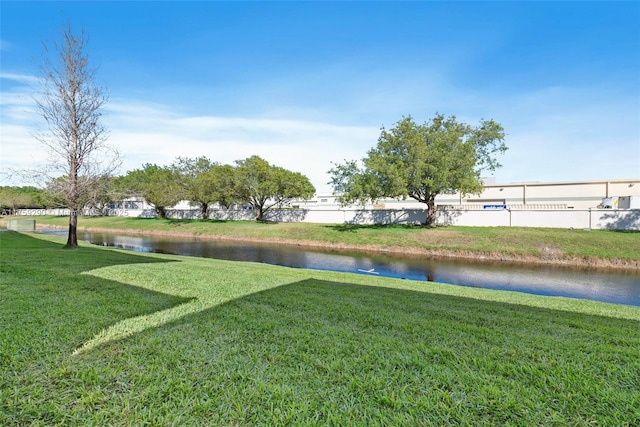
[[161, 212], [72, 237]]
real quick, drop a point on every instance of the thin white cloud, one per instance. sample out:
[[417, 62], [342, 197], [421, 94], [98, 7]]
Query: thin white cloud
[[155, 135], [17, 99], [20, 78], [554, 133]]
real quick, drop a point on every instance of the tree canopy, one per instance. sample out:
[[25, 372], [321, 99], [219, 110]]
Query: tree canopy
[[206, 182], [252, 181], [422, 161], [221, 181], [159, 185], [12, 198], [264, 186]]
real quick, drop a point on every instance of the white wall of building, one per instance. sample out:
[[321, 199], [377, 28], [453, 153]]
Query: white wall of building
[[547, 195]]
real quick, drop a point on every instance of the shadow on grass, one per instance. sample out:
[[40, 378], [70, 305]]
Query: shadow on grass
[[48, 307], [315, 349], [334, 302], [174, 221], [353, 228]]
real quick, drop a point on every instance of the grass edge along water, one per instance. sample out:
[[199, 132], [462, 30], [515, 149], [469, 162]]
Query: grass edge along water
[[595, 248]]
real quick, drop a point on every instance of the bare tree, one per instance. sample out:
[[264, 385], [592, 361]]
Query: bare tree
[[71, 104]]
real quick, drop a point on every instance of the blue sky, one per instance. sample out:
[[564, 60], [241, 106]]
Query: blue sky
[[304, 84]]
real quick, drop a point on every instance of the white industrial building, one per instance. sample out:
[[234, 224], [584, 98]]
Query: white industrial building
[[621, 194], [578, 195]]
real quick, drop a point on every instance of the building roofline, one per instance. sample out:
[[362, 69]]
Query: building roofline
[[540, 183]]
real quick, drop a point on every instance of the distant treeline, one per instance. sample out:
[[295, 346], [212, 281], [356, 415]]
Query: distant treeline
[[12, 198]]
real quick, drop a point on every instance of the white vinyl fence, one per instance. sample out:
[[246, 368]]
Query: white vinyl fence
[[612, 219], [569, 218]]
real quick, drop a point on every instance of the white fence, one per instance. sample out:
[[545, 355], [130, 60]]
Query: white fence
[[588, 218], [612, 219]]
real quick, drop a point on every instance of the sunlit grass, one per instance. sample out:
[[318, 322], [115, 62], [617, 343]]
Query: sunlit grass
[[168, 340], [508, 241]]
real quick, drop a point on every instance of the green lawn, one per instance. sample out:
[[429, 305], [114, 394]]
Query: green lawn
[[99, 336], [514, 242]]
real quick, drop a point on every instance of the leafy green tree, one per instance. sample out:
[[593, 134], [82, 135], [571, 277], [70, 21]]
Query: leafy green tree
[[422, 161], [160, 186], [12, 198], [206, 182], [221, 180], [197, 190], [264, 186], [38, 196]]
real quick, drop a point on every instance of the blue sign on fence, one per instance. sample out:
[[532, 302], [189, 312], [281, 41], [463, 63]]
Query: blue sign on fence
[[494, 206]]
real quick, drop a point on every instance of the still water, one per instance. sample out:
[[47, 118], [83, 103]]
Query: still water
[[609, 286]]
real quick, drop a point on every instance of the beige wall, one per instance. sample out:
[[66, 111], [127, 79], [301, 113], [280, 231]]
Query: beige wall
[[577, 195], [545, 195]]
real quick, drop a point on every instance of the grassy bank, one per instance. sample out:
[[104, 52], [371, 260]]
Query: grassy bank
[[98, 336], [579, 247]]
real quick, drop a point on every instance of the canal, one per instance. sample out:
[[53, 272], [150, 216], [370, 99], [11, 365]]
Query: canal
[[620, 287]]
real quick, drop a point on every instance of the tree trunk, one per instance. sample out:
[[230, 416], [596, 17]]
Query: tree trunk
[[72, 238], [204, 208], [260, 215], [431, 211], [161, 212]]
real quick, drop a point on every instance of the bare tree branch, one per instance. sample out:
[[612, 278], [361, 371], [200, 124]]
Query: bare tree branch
[[70, 104]]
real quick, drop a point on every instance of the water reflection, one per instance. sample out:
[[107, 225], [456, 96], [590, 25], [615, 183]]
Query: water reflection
[[615, 287]]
